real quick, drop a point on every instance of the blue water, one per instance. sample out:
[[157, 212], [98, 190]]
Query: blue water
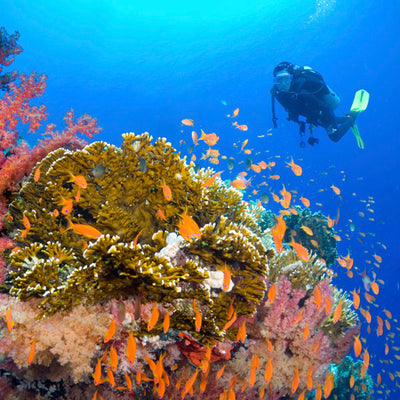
[[145, 68]]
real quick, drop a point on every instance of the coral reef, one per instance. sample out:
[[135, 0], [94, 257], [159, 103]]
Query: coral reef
[[64, 268], [133, 269], [8, 49], [322, 242], [16, 157]]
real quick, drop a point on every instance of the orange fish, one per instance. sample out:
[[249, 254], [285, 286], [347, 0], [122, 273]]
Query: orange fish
[[198, 320], [244, 144], [166, 323], [230, 322], [317, 297], [309, 377], [338, 312], [356, 299], [97, 373], [255, 168], [166, 191], [32, 352], [111, 331], [10, 322], [227, 279], [110, 376], [268, 371], [131, 348], [277, 241], [113, 359], [78, 196], [240, 127], [352, 381], [300, 250], [357, 346], [374, 287], [328, 306], [79, 180], [286, 197], [241, 335], [220, 371], [306, 332], [274, 177], [239, 184], [306, 202], [297, 170], [188, 227], [190, 382], [335, 189], [161, 214], [271, 294], [84, 230], [211, 180], [235, 113], [329, 384], [262, 164], [67, 203], [154, 318], [302, 395], [211, 138], [36, 176], [331, 222], [296, 380], [187, 122], [307, 230]]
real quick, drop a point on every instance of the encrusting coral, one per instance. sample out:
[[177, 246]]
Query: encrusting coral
[[172, 264]]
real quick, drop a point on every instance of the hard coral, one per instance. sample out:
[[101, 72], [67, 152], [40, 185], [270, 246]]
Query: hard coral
[[120, 193]]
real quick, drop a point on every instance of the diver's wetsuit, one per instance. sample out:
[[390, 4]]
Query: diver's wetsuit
[[307, 97]]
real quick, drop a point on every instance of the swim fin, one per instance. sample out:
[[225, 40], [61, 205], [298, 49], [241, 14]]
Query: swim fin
[[360, 104]]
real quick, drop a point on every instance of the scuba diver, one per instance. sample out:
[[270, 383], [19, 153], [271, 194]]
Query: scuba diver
[[303, 92]]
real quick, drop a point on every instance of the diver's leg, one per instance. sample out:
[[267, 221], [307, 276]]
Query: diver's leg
[[335, 134]]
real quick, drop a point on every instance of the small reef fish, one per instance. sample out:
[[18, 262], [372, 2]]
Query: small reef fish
[[32, 352], [188, 227], [154, 318], [67, 205], [211, 138], [9, 320], [211, 179], [84, 230], [240, 127], [239, 184], [187, 122], [36, 175], [338, 311], [167, 192], [300, 250], [307, 230], [268, 371], [78, 180], [227, 279], [296, 380], [297, 170], [131, 348], [306, 202], [335, 189], [111, 331]]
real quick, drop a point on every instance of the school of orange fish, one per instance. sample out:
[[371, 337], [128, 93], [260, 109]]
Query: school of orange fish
[[386, 370]]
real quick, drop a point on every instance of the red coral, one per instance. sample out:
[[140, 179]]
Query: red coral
[[16, 158]]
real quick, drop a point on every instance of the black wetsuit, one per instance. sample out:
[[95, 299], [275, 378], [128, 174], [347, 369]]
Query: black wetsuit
[[306, 98]]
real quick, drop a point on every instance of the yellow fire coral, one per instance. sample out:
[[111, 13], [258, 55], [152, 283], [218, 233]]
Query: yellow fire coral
[[101, 223]]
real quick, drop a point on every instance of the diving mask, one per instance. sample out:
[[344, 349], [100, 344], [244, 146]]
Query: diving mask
[[283, 81]]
